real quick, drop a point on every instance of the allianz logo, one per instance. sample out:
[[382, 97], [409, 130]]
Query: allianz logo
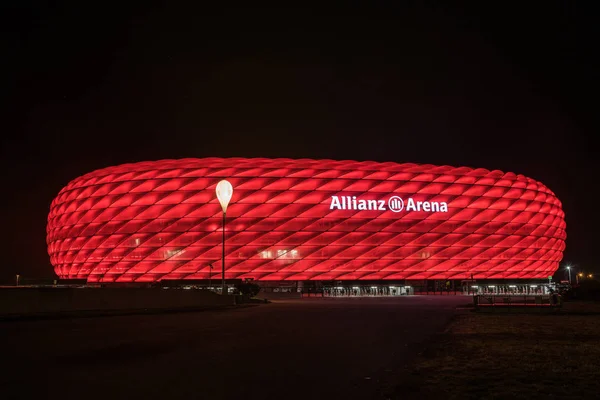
[[394, 204]]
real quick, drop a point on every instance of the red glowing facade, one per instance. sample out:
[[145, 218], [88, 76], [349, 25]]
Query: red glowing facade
[[304, 220]]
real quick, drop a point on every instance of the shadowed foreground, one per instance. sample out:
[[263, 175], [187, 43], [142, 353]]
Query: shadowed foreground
[[516, 356], [311, 348]]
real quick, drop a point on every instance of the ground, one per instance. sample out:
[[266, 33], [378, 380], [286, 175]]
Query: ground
[[516, 356], [332, 348]]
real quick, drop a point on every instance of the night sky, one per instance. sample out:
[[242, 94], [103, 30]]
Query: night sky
[[508, 88]]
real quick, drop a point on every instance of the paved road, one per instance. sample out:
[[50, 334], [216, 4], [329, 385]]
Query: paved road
[[311, 349]]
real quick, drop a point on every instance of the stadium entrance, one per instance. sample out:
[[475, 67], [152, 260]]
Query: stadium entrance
[[367, 291]]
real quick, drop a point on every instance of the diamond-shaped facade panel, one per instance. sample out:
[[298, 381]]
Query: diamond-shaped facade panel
[[304, 220]]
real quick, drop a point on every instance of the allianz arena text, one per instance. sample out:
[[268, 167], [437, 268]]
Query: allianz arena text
[[304, 220]]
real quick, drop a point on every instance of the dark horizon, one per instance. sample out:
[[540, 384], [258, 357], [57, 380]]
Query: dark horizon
[[503, 89]]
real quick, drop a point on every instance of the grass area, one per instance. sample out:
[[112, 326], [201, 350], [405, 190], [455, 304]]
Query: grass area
[[512, 356]]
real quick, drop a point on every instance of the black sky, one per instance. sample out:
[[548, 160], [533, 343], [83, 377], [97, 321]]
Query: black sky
[[511, 88]]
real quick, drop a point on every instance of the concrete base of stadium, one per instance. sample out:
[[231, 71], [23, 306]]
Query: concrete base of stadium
[[39, 301]]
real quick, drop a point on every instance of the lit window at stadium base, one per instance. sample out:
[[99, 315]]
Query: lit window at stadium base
[[304, 220]]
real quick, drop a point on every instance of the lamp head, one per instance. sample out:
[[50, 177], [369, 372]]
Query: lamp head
[[224, 192]]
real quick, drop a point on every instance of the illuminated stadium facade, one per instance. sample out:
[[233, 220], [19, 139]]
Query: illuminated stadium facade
[[304, 220]]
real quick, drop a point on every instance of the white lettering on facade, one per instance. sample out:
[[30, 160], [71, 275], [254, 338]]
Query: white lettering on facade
[[410, 205], [395, 204], [335, 203]]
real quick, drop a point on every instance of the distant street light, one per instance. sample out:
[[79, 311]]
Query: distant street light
[[224, 192], [569, 269]]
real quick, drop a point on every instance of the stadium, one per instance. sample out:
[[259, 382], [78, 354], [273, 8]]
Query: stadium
[[304, 222]]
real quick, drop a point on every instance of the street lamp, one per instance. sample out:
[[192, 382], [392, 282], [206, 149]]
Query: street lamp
[[224, 192], [569, 269]]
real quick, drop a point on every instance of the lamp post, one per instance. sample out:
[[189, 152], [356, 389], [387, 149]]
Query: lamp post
[[224, 192], [569, 269]]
